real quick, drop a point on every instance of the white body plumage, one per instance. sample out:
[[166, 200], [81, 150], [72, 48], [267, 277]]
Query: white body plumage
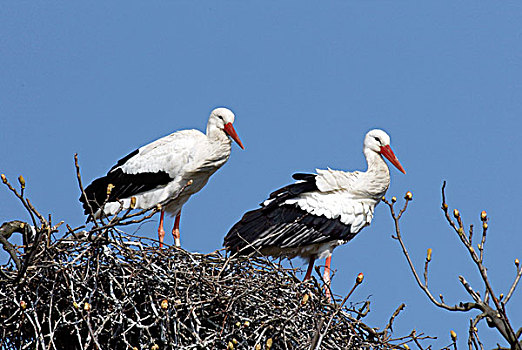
[[319, 211], [184, 155]]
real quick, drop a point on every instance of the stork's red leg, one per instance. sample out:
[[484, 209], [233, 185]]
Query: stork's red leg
[[161, 231], [326, 276], [175, 230], [309, 271]]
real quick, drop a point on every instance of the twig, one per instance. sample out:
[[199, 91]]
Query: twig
[[392, 318], [513, 287]]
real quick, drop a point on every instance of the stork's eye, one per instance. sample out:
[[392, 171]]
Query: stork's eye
[[377, 139]]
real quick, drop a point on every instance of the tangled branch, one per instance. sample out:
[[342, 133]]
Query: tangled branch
[[491, 308]]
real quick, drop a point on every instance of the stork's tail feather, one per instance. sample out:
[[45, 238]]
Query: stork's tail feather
[[245, 232], [256, 228], [96, 194], [123, 186], [284, 226]]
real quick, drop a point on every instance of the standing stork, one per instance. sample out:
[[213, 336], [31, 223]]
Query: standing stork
[[318, 212], [158, 172]]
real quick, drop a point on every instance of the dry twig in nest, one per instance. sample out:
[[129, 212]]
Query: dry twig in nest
[[86, 295]]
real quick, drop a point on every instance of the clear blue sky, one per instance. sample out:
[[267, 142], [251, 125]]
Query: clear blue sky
[[306, 80]]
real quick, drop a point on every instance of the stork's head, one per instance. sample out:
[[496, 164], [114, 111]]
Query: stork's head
[[378, 141], [222, 118]]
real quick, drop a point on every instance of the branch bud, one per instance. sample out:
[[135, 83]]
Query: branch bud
[[4, 179], [305, 299], [485, 226], [445, 206], [501, 296], [359, 278], [234, 340], [238, 324], [383, 198], [471, 250], [109, 188], [87, 307], [461, 231], [154, 347], [453, 335], [269, 343], [21, 180], [456, 213], [517, 262], [75, 305], [230, 346], [428, 255], [23, 305], [246, 324], [133, 202], [394, 199], [164, 303], [483, 215], [258, 347], [408, 196], [406, 347]]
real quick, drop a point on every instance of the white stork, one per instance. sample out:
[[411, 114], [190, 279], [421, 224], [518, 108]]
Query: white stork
[[157, 172], [319, 211]]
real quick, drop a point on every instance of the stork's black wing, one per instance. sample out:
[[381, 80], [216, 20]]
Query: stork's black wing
[[281, 225], [125, 185]]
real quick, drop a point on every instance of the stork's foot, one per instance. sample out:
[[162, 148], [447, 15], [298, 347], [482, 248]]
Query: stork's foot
[[327, 291], [177, 237], [175, 230], [161, 231], [161, 235], [309, 270], [326, 278]]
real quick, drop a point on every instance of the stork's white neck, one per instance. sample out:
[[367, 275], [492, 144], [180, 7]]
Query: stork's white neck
[[219, 147], [216, 134], [378, 174]]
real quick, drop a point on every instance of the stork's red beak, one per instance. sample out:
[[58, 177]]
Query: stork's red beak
[[229, 130], [388, 153]]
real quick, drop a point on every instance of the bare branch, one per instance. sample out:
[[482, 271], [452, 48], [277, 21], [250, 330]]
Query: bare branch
[[84, 195], [392, 318], [424, 287], [496, 316], [6, 230], [513, 286]]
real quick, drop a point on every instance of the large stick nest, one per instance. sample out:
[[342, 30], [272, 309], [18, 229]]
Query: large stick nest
[[119, 293]]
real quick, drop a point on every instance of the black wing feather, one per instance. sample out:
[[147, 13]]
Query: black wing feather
[[125, 159], [283, 225], [304, 177], [125, 185], [306, 184]]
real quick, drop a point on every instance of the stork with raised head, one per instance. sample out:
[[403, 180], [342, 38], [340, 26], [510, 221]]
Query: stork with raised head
[[318, 212], [158, 172]]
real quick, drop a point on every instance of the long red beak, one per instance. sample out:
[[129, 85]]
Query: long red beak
[[388, 153], [229, 129]]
